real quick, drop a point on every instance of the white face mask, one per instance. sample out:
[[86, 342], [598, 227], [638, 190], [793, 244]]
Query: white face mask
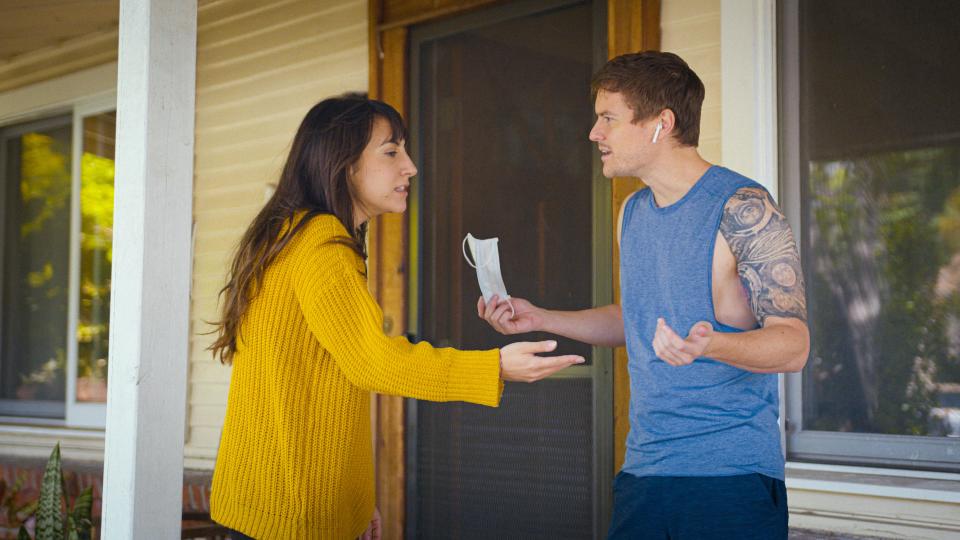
[[487, 257]]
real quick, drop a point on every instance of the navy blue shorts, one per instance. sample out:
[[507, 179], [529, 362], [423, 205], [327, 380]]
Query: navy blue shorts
[[744, 507]]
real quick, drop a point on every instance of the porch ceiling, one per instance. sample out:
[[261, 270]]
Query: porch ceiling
[[29, 25]]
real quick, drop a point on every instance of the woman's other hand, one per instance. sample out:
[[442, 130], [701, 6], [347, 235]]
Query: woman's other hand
[[519, 361], [373, 531]]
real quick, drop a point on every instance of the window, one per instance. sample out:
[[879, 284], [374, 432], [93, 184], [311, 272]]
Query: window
[[871, 147], [56, 230]]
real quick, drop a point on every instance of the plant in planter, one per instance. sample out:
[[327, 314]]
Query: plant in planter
[[55, 518], [16, 506]]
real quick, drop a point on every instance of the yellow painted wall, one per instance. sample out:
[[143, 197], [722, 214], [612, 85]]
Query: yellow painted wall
[[691, 29], [260, 67]]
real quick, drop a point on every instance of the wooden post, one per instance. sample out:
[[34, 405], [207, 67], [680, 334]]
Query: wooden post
[[632, 26], [150, 301]]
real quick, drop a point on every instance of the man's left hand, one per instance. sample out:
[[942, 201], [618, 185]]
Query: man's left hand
[[677, 351]]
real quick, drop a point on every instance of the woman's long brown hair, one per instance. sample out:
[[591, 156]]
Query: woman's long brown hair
[[315, 179]]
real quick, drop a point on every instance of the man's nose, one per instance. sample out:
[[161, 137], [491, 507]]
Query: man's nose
[[596, 135]]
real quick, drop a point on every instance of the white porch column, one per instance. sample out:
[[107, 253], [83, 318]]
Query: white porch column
[[149, 317]]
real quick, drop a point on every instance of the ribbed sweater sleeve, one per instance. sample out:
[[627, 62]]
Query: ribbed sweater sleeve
[[348, 323]]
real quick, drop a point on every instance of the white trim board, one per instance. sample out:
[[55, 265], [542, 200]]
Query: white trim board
[[748, 75], [59, 94]]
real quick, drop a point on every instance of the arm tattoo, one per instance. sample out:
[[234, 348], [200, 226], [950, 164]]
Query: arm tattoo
[[767, 259]]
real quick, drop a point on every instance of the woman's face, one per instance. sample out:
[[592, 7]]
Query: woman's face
[[381, 177]]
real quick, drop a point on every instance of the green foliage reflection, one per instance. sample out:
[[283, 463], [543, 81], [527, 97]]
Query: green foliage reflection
[[884, 237]]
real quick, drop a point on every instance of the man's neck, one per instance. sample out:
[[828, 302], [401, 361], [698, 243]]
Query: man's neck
[[674, 173]]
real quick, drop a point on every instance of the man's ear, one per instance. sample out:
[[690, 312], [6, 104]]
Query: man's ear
[[668, 121]]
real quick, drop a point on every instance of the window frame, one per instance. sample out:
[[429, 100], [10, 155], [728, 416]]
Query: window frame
[[76, 109], [844, 448], [80, 414]]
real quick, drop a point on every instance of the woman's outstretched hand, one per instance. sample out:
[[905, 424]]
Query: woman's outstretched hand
[[519, 361]]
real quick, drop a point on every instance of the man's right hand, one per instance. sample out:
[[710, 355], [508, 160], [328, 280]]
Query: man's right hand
[[519, 362], [528, 317]]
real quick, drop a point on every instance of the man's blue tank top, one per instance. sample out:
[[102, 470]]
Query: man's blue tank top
[[707, 418]]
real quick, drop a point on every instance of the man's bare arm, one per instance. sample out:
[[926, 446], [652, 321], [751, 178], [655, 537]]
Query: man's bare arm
[[767, 258], [768, 264], [602, 326]]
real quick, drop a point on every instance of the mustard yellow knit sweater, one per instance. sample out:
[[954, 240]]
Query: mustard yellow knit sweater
[[295, 458]]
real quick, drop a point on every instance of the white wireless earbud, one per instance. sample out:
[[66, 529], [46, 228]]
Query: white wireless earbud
[[656, 133]]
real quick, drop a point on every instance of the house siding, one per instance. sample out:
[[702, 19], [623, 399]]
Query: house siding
[[260, 67], [691, 29]]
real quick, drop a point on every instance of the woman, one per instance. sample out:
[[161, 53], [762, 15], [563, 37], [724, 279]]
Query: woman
[[306, 338]]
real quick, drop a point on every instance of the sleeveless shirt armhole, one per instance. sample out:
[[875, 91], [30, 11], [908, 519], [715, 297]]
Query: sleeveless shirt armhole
[[628, 210]]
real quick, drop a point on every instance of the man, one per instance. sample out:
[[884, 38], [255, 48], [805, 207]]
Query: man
[[704, 253]]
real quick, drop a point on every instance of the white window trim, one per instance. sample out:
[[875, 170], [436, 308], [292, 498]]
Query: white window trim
[[83, 93], [57, 95], [876, 482], [749, 103], [748, 75], [90, 415]]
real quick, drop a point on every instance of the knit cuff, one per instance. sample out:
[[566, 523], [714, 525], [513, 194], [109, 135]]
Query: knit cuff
[[475, 377]]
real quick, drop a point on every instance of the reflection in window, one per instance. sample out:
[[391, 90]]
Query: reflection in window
[[96, 255], [883, 235], [39, 232], [879, 148], [35, 270]]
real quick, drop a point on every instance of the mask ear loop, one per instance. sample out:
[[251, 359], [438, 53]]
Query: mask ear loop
[[463, 248]]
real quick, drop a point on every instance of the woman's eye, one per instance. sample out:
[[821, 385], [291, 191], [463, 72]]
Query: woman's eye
[[392, 153]]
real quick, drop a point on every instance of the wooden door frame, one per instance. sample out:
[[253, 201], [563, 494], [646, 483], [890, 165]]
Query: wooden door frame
[[632, 25]]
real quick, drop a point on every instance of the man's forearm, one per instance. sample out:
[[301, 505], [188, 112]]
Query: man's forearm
[[602, 326], [778, 348]]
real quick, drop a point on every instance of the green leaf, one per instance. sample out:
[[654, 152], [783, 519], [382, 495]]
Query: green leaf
[[28, 509], [23, 534], [83, 504], [85, 529], [49, 516], [72, 529]]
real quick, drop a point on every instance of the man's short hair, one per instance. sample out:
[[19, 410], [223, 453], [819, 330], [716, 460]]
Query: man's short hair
[[651, 81]]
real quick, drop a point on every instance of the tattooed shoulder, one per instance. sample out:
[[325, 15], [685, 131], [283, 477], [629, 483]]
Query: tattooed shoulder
[[767, 258]]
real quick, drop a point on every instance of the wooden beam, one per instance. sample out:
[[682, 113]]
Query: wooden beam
[[632, 26], [388, 253], [150, 303]]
